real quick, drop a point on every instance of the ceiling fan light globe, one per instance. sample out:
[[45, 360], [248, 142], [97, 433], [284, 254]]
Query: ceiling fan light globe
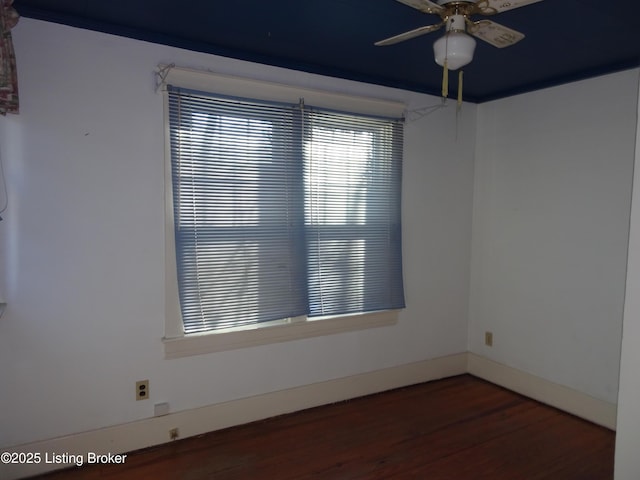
[[456, 48]]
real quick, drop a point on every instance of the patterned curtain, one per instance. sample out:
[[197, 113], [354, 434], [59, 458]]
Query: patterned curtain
[[8, 72]]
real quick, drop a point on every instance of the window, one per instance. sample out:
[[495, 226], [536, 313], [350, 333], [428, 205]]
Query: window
[[282, 212]]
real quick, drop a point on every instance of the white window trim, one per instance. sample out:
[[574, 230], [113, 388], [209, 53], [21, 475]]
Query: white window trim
[[176, 343], [274, 332]]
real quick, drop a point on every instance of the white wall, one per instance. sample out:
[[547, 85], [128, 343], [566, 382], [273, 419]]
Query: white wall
[[83, 244], [550, 228], [628, 430]]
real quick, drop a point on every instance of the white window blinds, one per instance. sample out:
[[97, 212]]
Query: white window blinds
[[282, 210]]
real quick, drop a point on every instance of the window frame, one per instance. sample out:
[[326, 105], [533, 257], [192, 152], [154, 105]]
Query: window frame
[[176, 342]]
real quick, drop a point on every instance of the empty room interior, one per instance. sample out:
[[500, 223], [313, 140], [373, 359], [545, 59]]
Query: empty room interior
[[520, 227]]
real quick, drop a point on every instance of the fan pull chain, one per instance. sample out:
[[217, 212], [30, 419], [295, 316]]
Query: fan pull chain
[[460, 89], [445, 80]]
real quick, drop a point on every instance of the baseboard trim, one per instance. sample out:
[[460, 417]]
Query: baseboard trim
[[553, 394], [154, 431]]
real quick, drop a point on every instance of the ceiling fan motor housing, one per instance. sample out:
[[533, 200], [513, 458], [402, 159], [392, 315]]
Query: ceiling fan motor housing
[[456, 23]]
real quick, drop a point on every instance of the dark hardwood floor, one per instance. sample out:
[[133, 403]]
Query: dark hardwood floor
[[454, 429]]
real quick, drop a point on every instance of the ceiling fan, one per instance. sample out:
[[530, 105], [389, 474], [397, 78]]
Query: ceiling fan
[[455, 49]]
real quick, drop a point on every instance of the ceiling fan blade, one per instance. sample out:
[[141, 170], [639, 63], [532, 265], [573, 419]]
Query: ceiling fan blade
[[491, 7], [425, 6], [494, 33], [407, 35]]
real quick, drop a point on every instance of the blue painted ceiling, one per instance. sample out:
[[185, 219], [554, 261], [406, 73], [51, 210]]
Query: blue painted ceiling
[[566, 40]]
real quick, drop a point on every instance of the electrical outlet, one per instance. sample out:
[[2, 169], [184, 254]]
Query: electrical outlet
[[174, 433], [488, 339], [142, 389]]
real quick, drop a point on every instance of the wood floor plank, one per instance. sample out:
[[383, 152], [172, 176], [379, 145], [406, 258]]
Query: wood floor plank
[[457, 428]]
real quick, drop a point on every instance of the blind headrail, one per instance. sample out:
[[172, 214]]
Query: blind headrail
[[206, 80]]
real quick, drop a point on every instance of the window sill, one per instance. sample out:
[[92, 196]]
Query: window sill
[[199, 344]]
